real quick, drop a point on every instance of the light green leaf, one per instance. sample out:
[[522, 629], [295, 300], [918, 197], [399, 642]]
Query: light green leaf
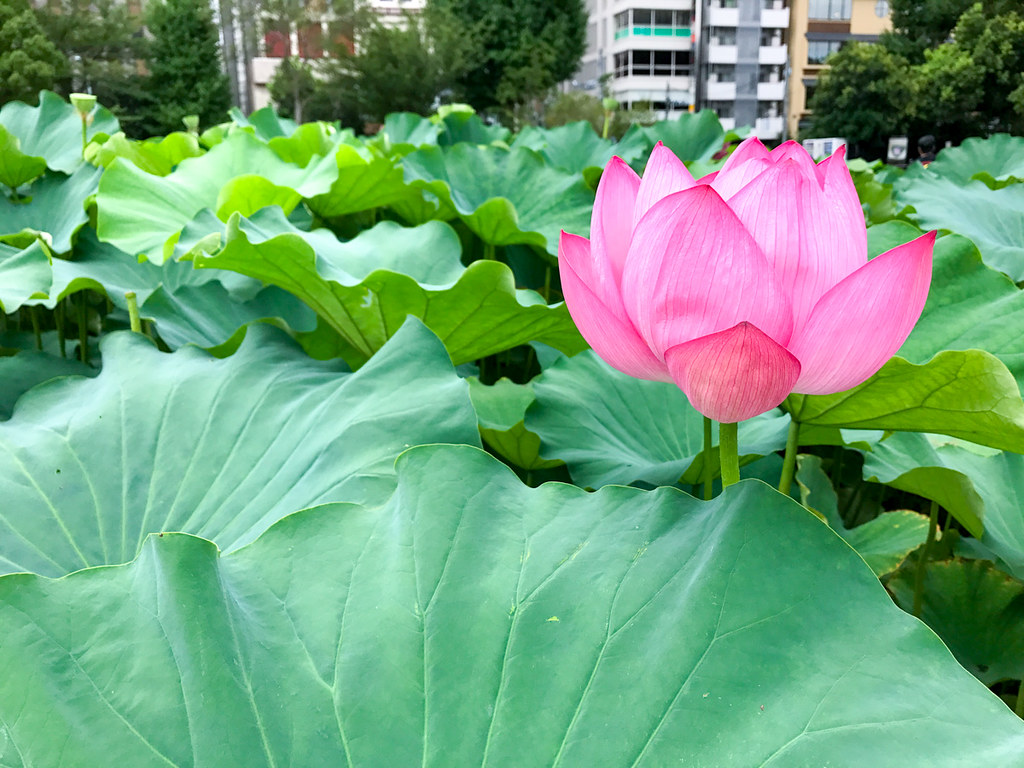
[[17, 168], [54, 129], [25, 275], [472, 621], [20, 372], [692, 137], [157, 156], [967, 394], [993, 219], [57, 207], [500, 409], [364, 289], [128, 195], [220, 448], [504, 196], [611, 428], [1001, 156]]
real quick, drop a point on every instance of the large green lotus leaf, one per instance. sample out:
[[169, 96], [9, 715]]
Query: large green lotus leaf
[[57, 207], [464, 126], [20, 372], [967, 394], [611, 428], [970, 306], [220, 448], [1001, 156], [25, 274], [992, 218], [128, 195], [157, 156], [692, 137], [188, 306], [575, 147], [501, 409], [17, 168], [364, 289], [884, 542], [368, 179], [473, 621], [973, 484], [976, 609], [54, 129], [310, 140], [265, 122], [504, 196], [404, 132]]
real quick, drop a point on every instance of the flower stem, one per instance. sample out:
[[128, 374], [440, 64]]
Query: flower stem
[[1019, 709], [789, 462], [728, 453], [708, 474], [133, 312], [933, 519]]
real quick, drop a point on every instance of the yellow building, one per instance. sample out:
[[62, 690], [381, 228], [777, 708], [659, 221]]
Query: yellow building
[[818, 28]]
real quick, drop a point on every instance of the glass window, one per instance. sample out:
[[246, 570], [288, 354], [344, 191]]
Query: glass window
[[621, 64], [723, 35], [819, 50], [683, 18], [723, 108], [770, 73], [723, 73], [663, 18], [621, 20], [832, 10], [642, 17], [772, 37]]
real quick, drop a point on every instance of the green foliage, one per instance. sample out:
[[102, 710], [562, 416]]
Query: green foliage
[[29, 61], [292, 88], [864, 97], [185, 77], [102, 41], [528, 46], [577, 105]]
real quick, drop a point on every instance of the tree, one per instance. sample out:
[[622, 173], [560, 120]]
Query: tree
[[29, 61], [292, 87], [865, 96], [920, 25], [185, 75], [103, 44], [527, 47]]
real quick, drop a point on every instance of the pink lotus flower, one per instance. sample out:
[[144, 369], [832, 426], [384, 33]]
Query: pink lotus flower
[[743, 286]]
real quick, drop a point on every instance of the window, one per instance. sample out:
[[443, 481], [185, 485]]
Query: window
[[723, 35], [646, 63], [772, 37], [819, 50], [768, 109], [621, 21], [770, 74], [722, 73], [832, 10], [646, 22], [724, 109]]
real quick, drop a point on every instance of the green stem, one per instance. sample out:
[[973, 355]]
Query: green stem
[[33, 313], [83, 328], [547, 284], [933, 519], [708, 474], [489, 251], [85, 139], [728, 453], [607, 124], [133, 312], [789, 462], [1019, 709], [58, 321]]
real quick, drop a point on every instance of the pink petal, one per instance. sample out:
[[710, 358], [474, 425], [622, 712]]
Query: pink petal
[[859, 324], [611, 224], [749, 149], [665, 174], [728, 184], [597, 310], [734, 374], [791, 150], [693, 269], [809, 245], [834, 177]]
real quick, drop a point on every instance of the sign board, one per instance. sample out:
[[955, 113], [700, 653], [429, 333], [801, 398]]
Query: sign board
[[897, 154]]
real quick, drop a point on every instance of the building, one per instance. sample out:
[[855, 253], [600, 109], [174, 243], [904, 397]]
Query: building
[[282, 39], [820, 28], [677, 55]]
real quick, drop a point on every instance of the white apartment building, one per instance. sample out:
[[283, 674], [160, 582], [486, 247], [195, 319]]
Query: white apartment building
[[726, 55]]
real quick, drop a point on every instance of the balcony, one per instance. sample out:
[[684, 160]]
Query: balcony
[[775, 18], [723, 17], [728, 123], [717, 91], [771, 54], [771, 91], [769, 127], [722, 54]]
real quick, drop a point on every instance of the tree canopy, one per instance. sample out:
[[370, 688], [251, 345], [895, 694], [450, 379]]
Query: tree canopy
[[29, 61]]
